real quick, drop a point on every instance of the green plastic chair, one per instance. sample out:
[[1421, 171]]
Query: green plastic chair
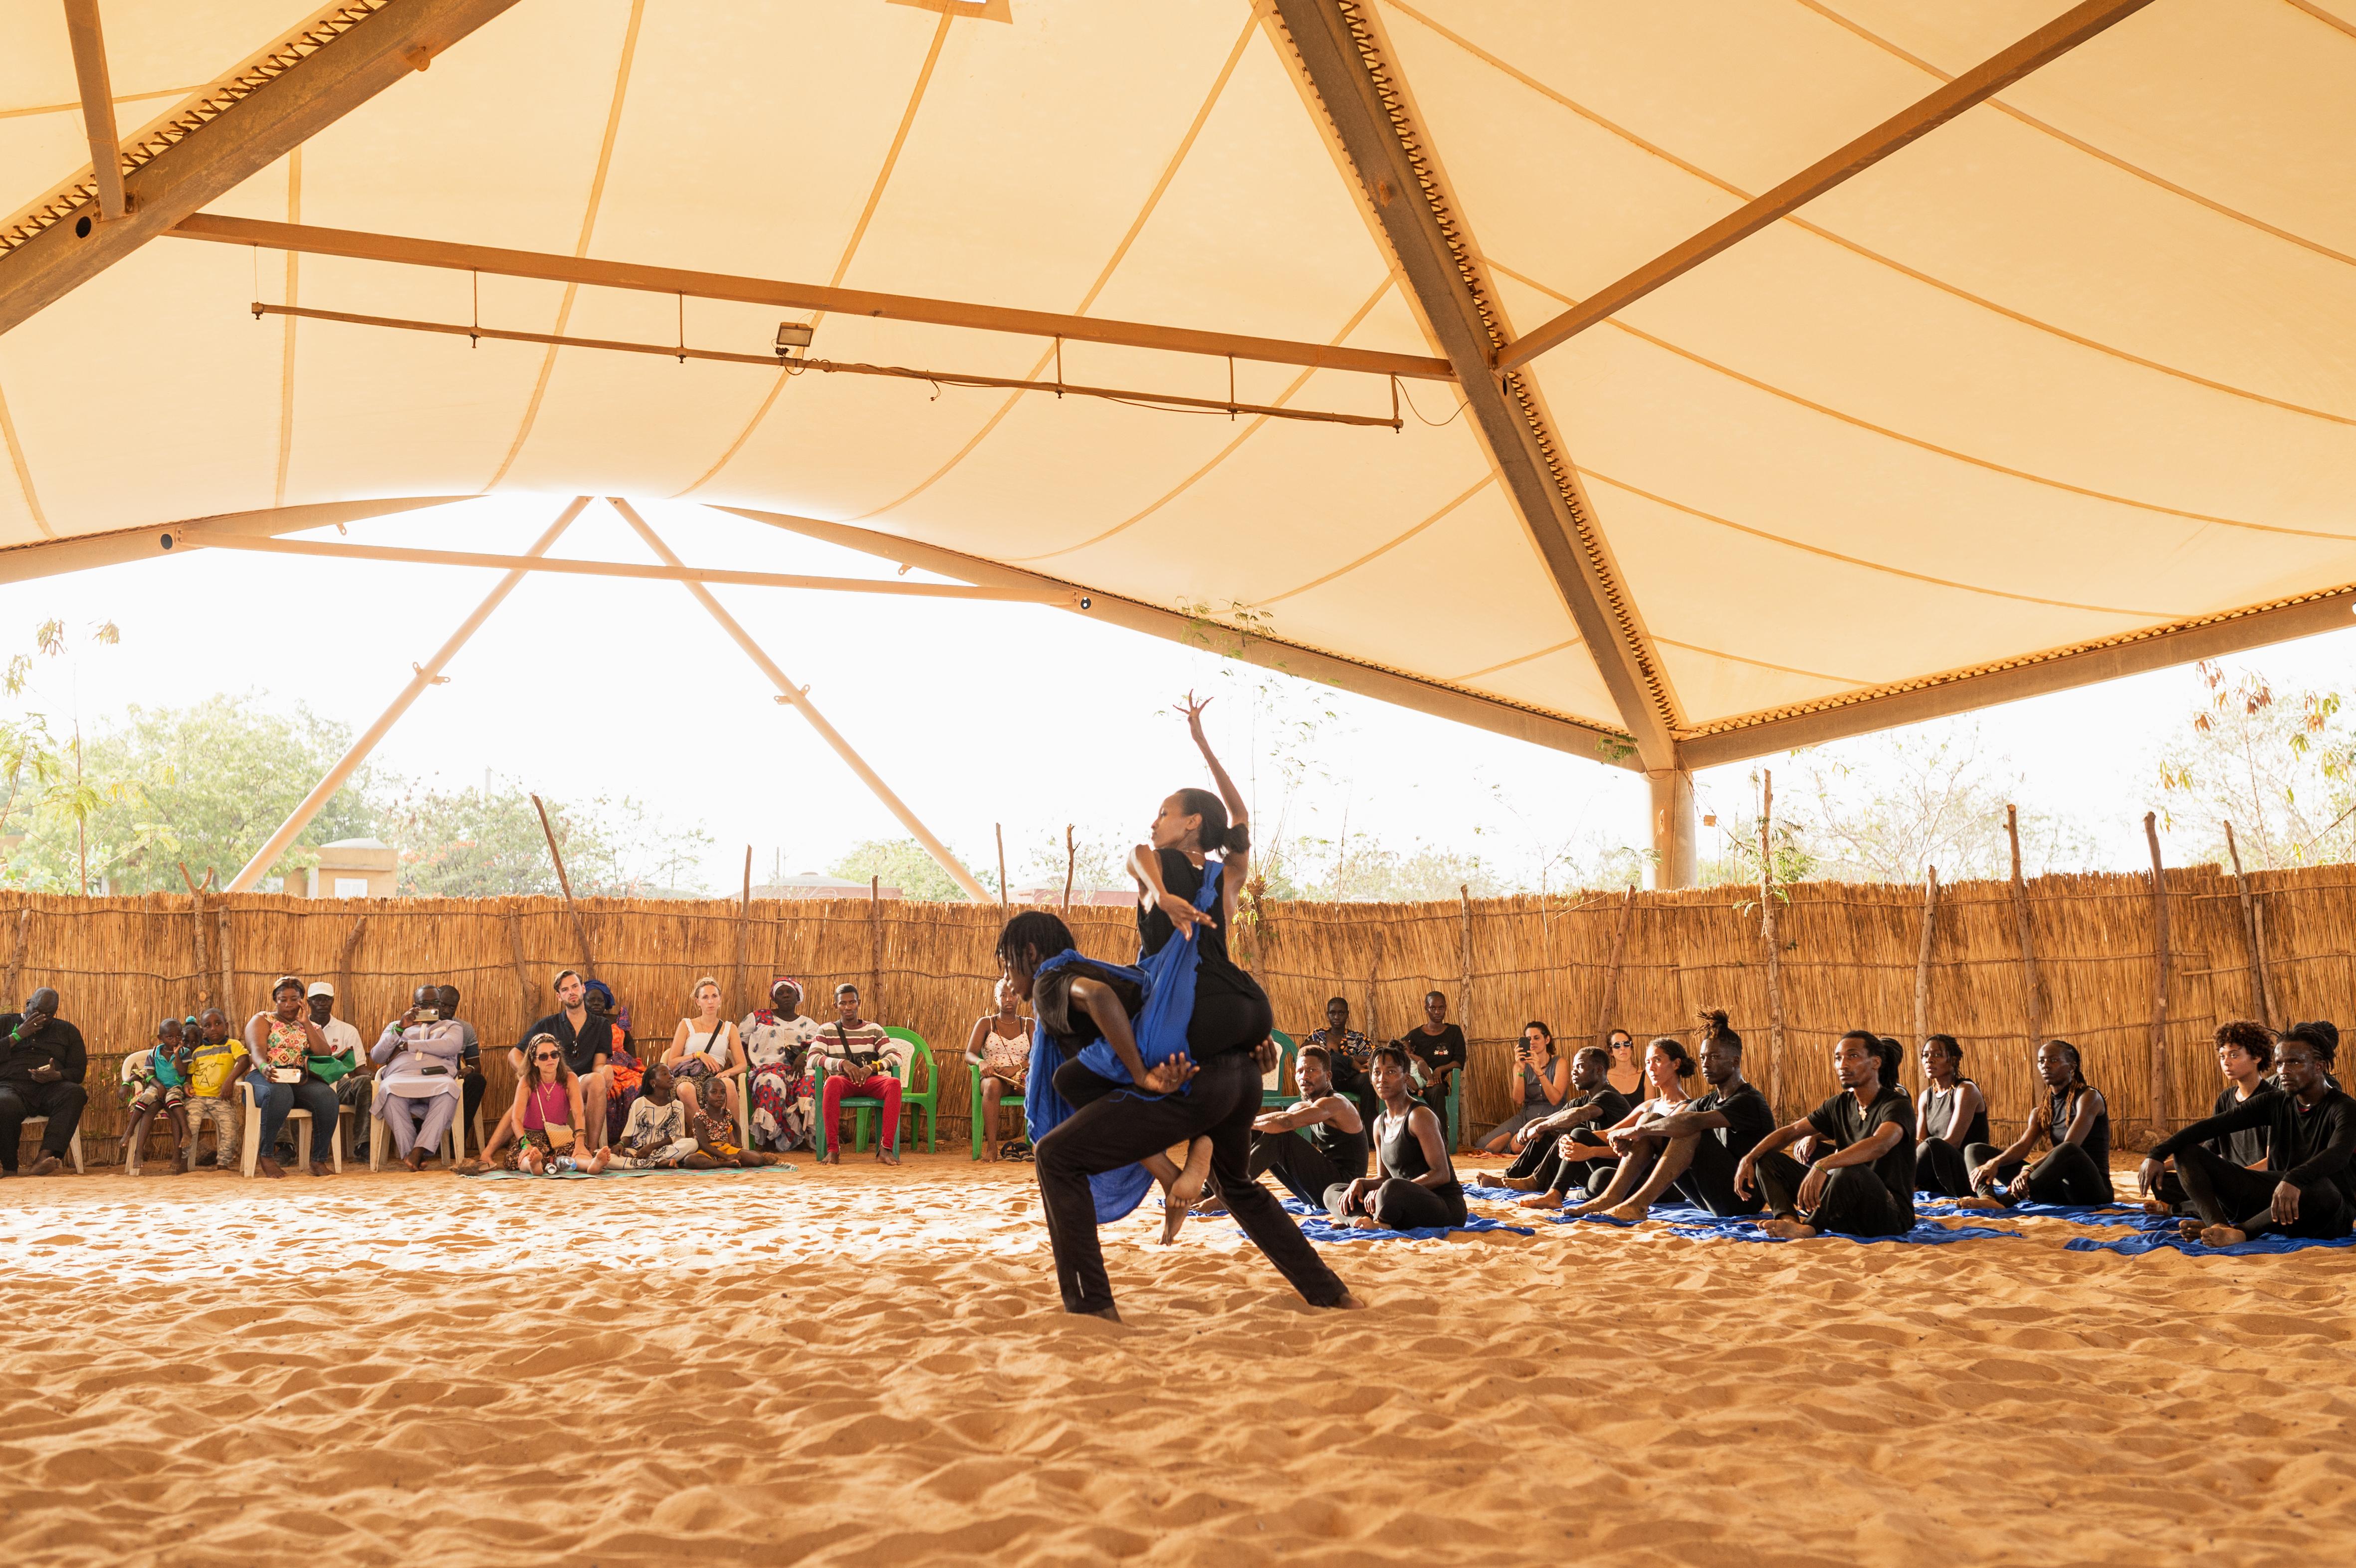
[[912, 1100], [1276, 1099], [973, 1108]]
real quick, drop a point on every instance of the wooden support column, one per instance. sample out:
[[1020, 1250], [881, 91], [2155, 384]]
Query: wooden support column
[[1676, 829], [2254, 932], [1922, 957], [227, 969], [2034, 982], [204, 958], [1774, 945], [2162, 964], [744, 935], [1611, 1002], [344, 970], [1464, 990], [875, 948], [16, 956], [93, 79]]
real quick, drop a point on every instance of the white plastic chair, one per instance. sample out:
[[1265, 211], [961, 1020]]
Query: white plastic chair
[[380, 1135], [32, 1122], [303, 1135]]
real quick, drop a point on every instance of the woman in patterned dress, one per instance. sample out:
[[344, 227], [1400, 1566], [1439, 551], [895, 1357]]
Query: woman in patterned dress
[[777, 1044]]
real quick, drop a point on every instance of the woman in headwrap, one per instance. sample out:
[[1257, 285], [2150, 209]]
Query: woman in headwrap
[[777, 1044]]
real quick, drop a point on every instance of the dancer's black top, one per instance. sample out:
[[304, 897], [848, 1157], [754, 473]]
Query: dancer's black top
[[1614, 1110], [1346, 1152], [2247, 1146], [2097, 1143], [1231, 1012], [1842, 1122], [1051, 1003], [1401, 1153], [1939, 1114], [1748, 1117], [2303, 1146]]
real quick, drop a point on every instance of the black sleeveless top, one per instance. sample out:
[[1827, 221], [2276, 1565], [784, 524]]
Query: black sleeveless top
[[1231, 1012], [2098, 1137], [1401, 1153], [1939, 1114], [1346, 1152], [1071, 1028]]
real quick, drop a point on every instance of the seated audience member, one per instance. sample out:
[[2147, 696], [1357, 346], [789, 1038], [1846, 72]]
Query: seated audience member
[[1954, 1117], [1000, 1046], [282, 1041], [1865, 1185], [656, 1137], [624, 1072], [776, 1054], [859, 1061], [1415, 1186], [1694, 1150], [419, 1053], [1593, 1105], [1437, 1050], [587, 1039], [706, 1056], [42, 1064], [346, 1069], [2076, 1124], [1667, 1065], [548, 1108], [214, 1064], [2306, 1190], [1626, 1074], [1545, 1083], [1349, 1052], [152, 1082], [2245, 1051], [472, 1086], [1317, 1143]]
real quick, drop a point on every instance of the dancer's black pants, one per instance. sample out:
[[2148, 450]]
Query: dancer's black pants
[[2066, 1175], [1397, 1205], [1854, 1202], [1114, 1131], [1300, 1165], [61, 1102], [2224, 1193], [1708, 1180], [1940, 1167], [1543, 1161]]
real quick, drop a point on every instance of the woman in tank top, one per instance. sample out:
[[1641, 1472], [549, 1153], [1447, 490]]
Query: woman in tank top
[[1000, 1046], [1953, 1118], [1626, 1074], [706, 1056], [548, 1110], [1545, 1084], [1415, 1186], [2074, 1121]]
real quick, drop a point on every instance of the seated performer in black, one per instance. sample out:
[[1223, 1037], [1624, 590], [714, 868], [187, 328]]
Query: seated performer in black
[[1415, 1186], [1227, 1052], [2310, 1130], [1694, 1150], [1593, 1104], [1667, 1065], [2244, 1052], [1865, 1187], [1318, 1141], [1955, 1117], [2073, 1120]]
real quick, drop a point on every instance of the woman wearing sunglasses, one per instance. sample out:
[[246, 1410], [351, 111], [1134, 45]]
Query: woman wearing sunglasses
[[547, 1109]]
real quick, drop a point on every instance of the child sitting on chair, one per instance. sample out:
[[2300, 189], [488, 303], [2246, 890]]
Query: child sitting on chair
[[152, 1082], [212, 1063]]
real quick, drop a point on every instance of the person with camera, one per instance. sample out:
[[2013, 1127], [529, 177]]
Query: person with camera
[[859, 1061], [283, 1040], [420, 1052], [42, 1062], [1545, 1082]]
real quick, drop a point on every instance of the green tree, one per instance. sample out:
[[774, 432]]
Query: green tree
[[905, 864], [466, 844], [2281, 769]]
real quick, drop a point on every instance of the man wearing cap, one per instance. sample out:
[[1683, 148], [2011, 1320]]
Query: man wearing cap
[[41, 1067], [346, 1069], [586, 1038]]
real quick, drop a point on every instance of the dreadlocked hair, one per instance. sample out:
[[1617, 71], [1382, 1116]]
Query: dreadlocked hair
[[1715, 1032], [1033, 931], [2077, 1072], [1886, 1053], [1216, 834]]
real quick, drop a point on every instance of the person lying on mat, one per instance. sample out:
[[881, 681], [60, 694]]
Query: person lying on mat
[[1696, 1150], [2308, 1192], [1954, 1117], [1545, 1083], [2245, 1051], [1574, 1131], [1415, 1186], [1316, 1143], [2074, 1121], [1667, 1065], [657, 1136], [1865, 1187]]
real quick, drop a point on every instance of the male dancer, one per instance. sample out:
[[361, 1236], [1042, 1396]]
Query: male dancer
[[2307, 1189], [1696, 1150], [1865, 1187], [1566, 1148], [1317, 1142], [2245, 1051]]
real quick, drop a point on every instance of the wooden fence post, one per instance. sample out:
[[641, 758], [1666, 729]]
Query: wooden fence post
[[1374, 985], [2161, 963], [344, 969], [16, 956], [1923, 958], [227, 969], [1767, 936], [564, 885], [1611, 1002], [744, 935], [2254, 932], [2021, 935], [204, 959], [874, 947], [1071, 864], [1464, 990], [525, 989], [1003, 901]]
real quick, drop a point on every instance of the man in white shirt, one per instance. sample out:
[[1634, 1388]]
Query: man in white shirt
[[420, 1052], [352, 1072]]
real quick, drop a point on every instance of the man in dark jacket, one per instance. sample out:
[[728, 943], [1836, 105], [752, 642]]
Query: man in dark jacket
[[41, 1067], [2307, 1189]]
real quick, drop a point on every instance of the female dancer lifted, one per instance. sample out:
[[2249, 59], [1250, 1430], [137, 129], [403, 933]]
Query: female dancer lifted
[[1167, 1053]]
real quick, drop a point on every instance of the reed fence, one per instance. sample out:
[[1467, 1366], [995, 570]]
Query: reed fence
[[1851, 957]]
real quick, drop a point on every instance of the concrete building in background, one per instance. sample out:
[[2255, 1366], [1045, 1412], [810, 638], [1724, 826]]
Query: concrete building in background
[[351, 868]]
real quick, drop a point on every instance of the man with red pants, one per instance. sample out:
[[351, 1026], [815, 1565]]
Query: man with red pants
[[858, 1059]]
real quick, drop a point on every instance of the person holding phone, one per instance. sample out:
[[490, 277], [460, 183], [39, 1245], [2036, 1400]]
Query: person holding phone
[[420, 1052], [42, 1061], [283, 1041]]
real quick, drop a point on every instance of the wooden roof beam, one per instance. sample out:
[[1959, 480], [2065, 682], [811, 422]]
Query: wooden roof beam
[[599, 274], [229, 131], [1990, 77], [97, 104]]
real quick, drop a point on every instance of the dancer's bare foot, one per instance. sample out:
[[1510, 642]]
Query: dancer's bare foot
[[1540, 1200], [2222, 1236], [2156, 1209], [1349, 1303], [2191, 1229], [1518, 1183], [1980, 1203], [1790, 1229], [1631, 1212]]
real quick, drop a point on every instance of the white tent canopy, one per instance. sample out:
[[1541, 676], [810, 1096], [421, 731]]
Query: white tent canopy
[[2062, 386]]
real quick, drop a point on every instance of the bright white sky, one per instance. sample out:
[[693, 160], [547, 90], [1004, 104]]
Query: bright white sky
[[975, 712]]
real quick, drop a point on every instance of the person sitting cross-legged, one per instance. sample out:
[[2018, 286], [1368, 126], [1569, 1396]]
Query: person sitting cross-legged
[[2075, 1120], [1415, 1186], [2308, 1188], [2245, 1051], [1696, 1150], [1667, 1065], [1865, 1186], [657, 1136], [1317, 1143], [1954, 1117], [1574, 1129]]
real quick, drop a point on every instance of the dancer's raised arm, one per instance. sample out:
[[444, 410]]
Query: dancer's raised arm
[[1237, 859]]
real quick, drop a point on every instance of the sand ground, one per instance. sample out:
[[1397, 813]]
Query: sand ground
[[868, 1367]]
